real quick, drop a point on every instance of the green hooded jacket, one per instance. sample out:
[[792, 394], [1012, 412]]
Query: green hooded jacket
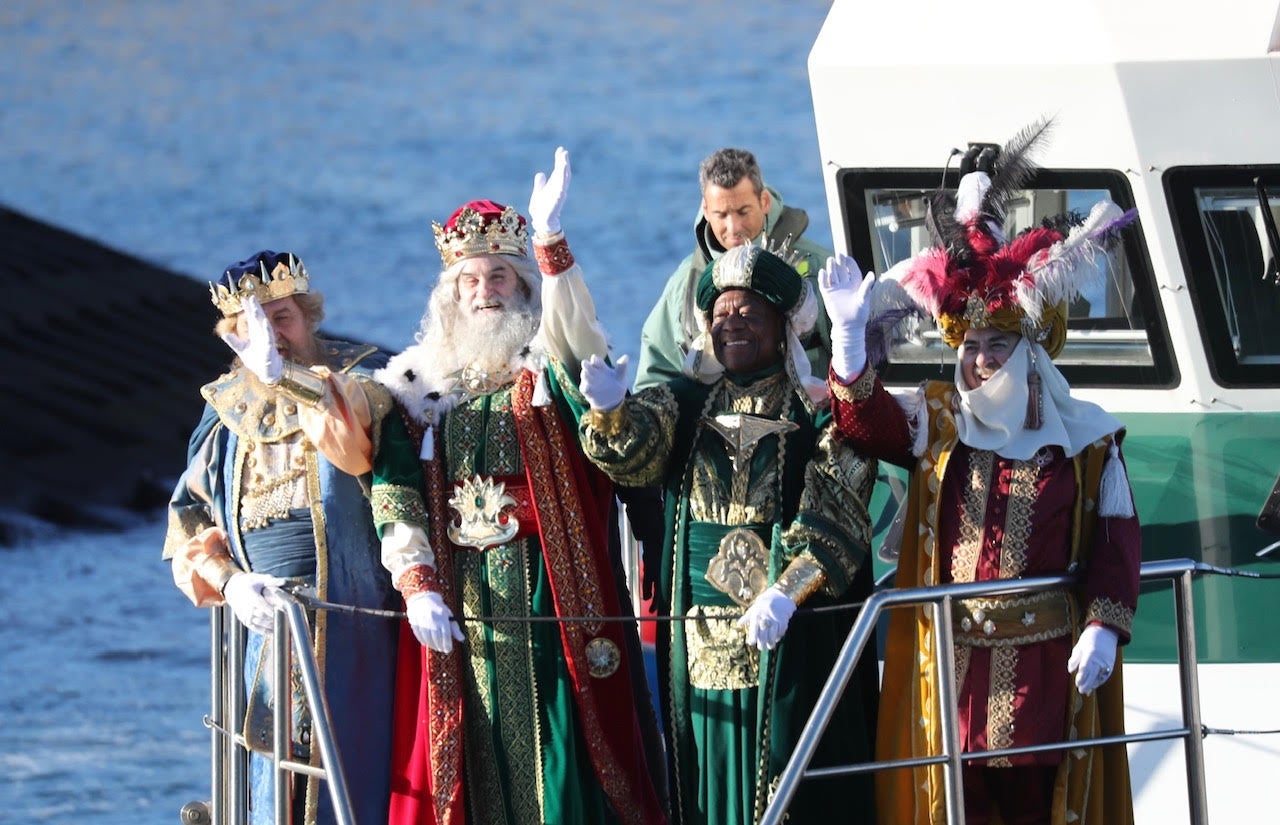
[[673, 322]]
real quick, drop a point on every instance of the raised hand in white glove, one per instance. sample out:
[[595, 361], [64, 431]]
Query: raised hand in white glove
[[1093, 657], [548, 195], [251, 598], [432, 621], [257, 352], [846, 295], [603, 386], [767, 618]]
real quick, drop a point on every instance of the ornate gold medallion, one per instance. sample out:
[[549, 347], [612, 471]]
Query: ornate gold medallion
[[740, 567], [472, 381], [742, 432], [479, 503], [976, 312], [603, 657]]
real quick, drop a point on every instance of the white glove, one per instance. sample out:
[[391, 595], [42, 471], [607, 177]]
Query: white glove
[[846, 295], [1093, 657], [432, 621], [604, 386], [258, 352], [548, 195], [767, 618], [252, 598]]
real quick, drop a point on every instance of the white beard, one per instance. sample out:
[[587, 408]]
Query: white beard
[[489, 340], [424, 377]]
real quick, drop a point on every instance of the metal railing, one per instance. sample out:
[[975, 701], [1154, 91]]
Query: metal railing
[[940, 599], [230, 754], [230, 763], [229, 770]]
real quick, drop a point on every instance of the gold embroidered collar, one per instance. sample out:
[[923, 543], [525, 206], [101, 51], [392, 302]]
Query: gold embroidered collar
[[251, 409]]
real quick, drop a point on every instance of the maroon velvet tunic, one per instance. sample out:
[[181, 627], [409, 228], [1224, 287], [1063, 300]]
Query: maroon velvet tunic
[[1000, 518]]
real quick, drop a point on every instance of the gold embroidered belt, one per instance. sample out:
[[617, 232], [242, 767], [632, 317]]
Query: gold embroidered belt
[[1005, 621]]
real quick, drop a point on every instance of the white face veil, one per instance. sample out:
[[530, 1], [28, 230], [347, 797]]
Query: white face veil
[[993, 416]]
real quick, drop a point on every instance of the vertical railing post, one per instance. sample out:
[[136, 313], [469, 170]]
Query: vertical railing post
[[946, 693], [629, 546], [238, 757], [220, 745], [282, 691], [1188, 666], [321, 720]]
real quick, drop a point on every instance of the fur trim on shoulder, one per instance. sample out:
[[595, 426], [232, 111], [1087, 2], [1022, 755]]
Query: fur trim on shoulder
[[409, 378]]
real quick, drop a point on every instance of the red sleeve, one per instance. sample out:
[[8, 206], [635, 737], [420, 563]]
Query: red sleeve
[[870, 419], [1113, 576]]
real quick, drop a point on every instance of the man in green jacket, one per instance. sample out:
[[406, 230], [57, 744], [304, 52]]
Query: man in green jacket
[[737, 208]]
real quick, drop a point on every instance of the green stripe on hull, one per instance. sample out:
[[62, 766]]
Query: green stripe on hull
[[1199, 481]]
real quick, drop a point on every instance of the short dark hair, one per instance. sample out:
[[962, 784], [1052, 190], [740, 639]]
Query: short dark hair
[[727, 167]]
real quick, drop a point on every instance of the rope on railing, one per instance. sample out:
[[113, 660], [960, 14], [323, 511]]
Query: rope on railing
[[306, 596]]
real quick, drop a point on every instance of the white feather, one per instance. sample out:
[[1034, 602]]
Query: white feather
[[973, 188], [1068, 268]]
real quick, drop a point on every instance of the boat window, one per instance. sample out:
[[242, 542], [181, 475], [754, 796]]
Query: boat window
[[1116, 333], [1231, 265]]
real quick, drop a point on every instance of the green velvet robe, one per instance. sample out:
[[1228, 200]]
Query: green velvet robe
[[734, 714], [540, 743]]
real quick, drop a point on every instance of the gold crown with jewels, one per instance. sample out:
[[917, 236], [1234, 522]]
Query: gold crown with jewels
[[287, 277], [481, 228]]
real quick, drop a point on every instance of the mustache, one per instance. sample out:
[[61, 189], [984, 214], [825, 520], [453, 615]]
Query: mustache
[[496, 302]]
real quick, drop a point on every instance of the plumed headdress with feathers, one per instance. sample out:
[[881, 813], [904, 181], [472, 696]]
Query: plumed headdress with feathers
[[973, 277]]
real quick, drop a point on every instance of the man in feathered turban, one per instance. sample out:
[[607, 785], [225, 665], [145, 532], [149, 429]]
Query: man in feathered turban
[[1011, 477]]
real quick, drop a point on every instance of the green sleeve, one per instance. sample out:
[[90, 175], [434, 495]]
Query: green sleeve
[[636, 452], [396, 494], [833, 525], [662, 337]]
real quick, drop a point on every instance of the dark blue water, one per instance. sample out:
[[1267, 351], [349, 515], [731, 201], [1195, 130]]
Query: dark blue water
[[192, 134]]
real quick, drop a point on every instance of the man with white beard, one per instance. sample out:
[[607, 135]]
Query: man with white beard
[[494, 527]]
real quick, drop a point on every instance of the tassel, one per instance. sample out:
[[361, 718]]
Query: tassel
[[541, 395], [1034, 401], [428, 450], [1114, 498]]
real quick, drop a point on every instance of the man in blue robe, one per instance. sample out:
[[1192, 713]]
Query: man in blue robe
[[261, 503]]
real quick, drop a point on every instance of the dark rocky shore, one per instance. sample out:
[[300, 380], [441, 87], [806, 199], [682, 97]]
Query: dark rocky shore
[[103, 357]]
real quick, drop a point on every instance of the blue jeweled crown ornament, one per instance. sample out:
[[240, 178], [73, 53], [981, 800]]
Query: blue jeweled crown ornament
[[268, 276]]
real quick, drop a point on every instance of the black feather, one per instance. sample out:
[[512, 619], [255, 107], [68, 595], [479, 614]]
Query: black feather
[[1063, 222], [945, 232], [1014, 166]]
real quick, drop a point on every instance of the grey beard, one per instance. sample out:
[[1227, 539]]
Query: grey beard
[[312, 356]]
